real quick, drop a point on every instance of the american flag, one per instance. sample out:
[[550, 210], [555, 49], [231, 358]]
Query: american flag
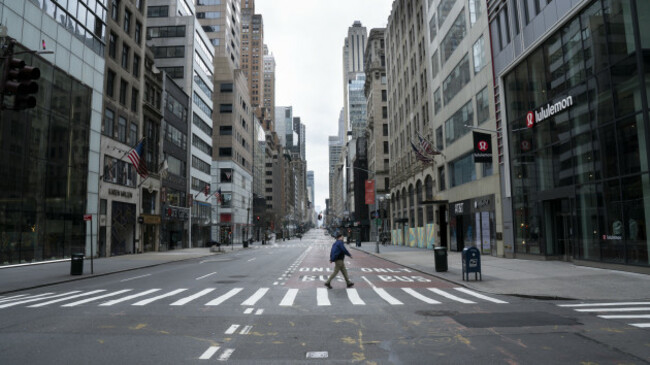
[[418, 155], [426, 146], [136, 159]]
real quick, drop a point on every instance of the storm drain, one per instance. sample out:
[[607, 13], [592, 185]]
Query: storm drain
[[523, 319], [317, 355]]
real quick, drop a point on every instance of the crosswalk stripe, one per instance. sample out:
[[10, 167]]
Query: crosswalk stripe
[[209, 353], [73, 304], [66, 298], [249, 310], [11, 304], [640, 325], [451, 296], [601, 304], [321, 297], [225, 355], [224, 297], [231, 329], [602, 310], [288, 299], [420, 296], [354, 297], [128, 297], [186, 300], [255, 297], [246, 330], [387, 297], [624, 316], [14, 297], [481, 296], [150, 300]]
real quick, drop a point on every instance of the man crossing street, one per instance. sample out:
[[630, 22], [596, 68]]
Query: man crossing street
[[337, 256]]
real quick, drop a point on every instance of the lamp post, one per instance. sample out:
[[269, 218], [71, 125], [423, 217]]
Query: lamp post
[[376, 206]]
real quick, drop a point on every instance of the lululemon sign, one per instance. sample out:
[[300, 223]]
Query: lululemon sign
[[548, 111], [482, 147]]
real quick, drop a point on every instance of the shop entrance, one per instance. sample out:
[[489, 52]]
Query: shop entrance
[[558, 227]]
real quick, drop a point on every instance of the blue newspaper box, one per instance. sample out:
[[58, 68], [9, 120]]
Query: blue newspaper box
[[471, 257]]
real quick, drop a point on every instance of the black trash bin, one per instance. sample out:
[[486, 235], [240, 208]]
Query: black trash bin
[[440, 254], [77, 264]]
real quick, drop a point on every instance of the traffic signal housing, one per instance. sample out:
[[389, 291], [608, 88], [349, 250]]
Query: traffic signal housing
[[19, 80]]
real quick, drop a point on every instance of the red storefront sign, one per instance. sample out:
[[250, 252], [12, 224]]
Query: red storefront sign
[[370, 191]]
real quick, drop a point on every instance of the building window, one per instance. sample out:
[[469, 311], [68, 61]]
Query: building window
[[125, 56], [482, 106], [138, 32], [455, 125], [136, 66], [225, 130], [457, 79], [225, 152], [226, 87], [134, 99], [439, 139], [474, 11], [158, 11], [115, 10], [444, 8], [174, 72], [479, 55], [208, 15], [133, 135], [385, 130], [225, 108], [110, 83], [453, 38], [462, 171], [123, 90], [385, 146], [169, 52], [166, 32], [127, 22], [384, 112], [112, 45], [435, 64], [118, 172], [441, 178], [384, 95], [121, 129], [437, 101], [432, 27], [202, 125], [109, 122]]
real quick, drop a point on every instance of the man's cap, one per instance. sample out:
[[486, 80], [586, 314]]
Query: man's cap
[[339, 234]]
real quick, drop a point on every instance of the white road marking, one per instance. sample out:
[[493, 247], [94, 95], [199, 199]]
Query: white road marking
[[205, 276], [625, 316], [251, 259], [640, 325], [602, 304], [288, 299], [259, 312], [23, 296], [66, 298], [387, 297], [368, 281], [96, 298], [11, 304], [129, 297], [192, 297], [275, 283], [321, 297], [209, 353], [353, 295], [628, 309], [451, 296], [231, 329], [420, 296], [225, 297], [246, 330], [225, 355], [481, 296], [150, 300], [255, 297], [135, 277], [249, 310]]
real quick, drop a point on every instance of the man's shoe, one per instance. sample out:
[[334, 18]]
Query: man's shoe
[[328, 286], [350, 285]]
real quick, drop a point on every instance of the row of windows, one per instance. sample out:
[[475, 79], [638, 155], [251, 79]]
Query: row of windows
[[202, 125], [119, 129], [454, 126], [175, 136], [123, 92], [169, 52], [200, 165], [126, 55], [201, 144], [166, 32], [201, 104]]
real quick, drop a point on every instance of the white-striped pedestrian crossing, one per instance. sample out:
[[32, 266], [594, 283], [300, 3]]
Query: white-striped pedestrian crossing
[[636, 314], [320, 297]]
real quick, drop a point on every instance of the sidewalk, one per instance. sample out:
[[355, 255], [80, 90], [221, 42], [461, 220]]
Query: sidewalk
[[14, 278], [538, 279]]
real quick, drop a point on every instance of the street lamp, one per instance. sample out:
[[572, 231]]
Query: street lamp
[[376, 206]]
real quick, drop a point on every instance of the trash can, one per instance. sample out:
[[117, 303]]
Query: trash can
[[245, 243], [77, 264], [440, 254]]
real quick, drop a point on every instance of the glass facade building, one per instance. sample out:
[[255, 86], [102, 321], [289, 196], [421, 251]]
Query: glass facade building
[[576, 107]]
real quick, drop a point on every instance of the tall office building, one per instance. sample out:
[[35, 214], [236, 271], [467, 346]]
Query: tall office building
[[182, 49], [50, 154], [354, 46], [252, 54], [572, 104], [269, 90]]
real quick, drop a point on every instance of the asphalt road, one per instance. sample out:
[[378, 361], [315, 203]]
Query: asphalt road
[[268, 305]]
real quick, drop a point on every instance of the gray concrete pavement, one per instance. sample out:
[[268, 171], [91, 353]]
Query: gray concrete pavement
[[540, 279]]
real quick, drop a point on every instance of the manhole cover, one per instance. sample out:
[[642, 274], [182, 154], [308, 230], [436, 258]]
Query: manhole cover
[[523, 319], [317, 355]]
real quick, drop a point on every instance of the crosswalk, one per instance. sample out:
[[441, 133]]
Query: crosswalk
[[635, 314], [210, 297]]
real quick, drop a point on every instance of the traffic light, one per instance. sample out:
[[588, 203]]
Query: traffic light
[[19, 80]]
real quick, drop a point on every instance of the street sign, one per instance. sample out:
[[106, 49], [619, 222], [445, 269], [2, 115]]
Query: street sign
[[88, 217]]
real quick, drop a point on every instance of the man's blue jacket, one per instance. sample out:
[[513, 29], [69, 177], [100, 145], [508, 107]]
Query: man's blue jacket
[[338, 251]]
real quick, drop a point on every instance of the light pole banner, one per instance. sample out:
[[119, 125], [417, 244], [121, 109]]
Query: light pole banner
[[370, 191]]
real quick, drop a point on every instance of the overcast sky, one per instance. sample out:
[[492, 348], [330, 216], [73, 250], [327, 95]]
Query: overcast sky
[[306, 37]]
